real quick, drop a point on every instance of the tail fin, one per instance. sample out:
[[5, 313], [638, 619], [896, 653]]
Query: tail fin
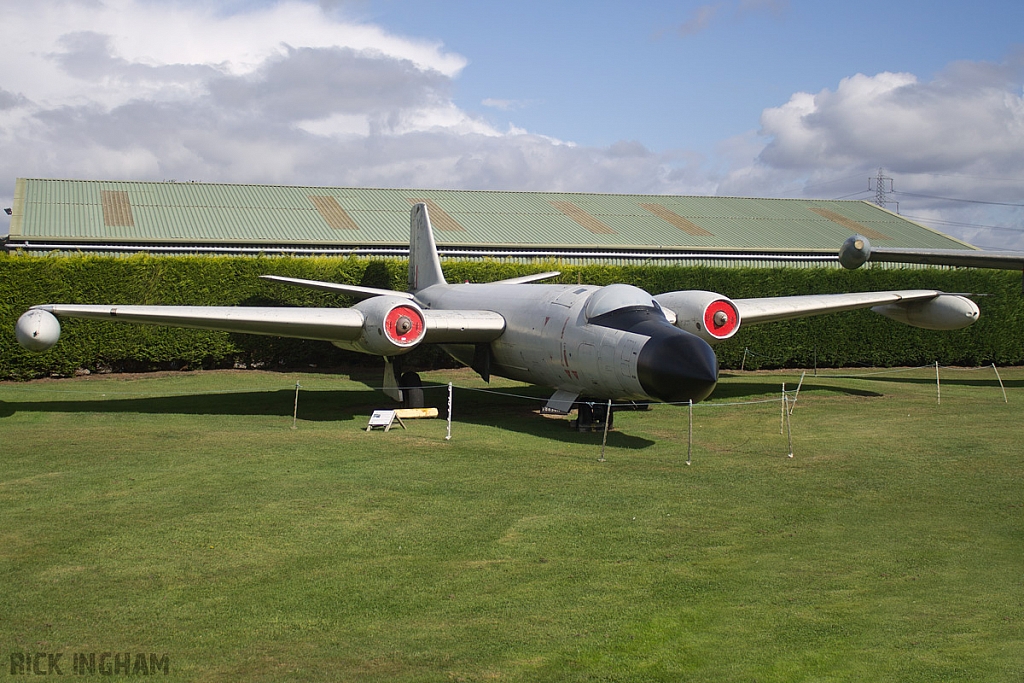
[[424, 265]]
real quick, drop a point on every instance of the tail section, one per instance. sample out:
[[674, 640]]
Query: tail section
[[424, 265]]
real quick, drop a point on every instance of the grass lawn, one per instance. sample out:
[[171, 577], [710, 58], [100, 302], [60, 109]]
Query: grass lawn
[[180, 514]]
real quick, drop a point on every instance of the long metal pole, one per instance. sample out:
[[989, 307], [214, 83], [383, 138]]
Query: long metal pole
[[448, 436], [689, 443], [295, 411], [789, 427], [938, 386], [797, 395], [1000, 382], [782, 417], [607, 418]]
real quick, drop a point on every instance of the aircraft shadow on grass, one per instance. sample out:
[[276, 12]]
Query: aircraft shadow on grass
[[486, 409], [761, 388], [952, 380]]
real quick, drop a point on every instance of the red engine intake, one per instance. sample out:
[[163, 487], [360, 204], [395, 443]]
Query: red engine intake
[[391, 326], [404, 325], [721, 319], [709, 315]]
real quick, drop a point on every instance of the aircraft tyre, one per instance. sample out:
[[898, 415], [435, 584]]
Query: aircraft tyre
[[591, 416], [584, 416], [412, 390]]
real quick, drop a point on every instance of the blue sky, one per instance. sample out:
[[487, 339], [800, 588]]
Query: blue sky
[[773, 98], [654, 72]]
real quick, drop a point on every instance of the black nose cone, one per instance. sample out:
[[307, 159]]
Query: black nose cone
[[675, 366]]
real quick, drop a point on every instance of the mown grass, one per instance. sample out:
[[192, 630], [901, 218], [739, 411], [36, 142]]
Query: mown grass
[[181, 514]]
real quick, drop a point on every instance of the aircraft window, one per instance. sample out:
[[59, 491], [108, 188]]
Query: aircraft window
[[616, 297]]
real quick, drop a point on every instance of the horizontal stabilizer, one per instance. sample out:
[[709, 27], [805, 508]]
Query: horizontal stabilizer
[[351, 290], [526, 279]]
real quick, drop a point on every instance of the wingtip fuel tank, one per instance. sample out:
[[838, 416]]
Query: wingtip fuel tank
[[855, 252], [37, 330]]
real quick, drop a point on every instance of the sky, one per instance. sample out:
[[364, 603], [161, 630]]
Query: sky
[[756, 98]]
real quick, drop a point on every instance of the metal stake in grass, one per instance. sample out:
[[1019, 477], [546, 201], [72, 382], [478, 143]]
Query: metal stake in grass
[[607, 418], [295, 412], [448, 436], [938, 387], [782, 417], [797, 394], [689, 443], [789, 426], [1000, 382]]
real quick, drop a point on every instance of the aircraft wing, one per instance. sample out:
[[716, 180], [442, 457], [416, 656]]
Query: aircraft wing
[[526, 279], [1006, 260], [857, 250], [771, 309], [326, 324]]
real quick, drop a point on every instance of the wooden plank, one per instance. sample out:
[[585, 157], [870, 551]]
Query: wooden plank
[[412, 413]]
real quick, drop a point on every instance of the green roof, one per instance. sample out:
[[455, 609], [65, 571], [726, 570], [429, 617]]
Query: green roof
[[140, 213]]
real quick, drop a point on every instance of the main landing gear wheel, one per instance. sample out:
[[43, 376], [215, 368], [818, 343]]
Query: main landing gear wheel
[[590, 416], [412, 390]]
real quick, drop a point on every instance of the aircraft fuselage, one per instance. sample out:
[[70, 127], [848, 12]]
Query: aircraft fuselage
[[549, 339]]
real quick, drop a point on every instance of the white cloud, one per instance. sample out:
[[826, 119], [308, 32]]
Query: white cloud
[[960, 136], [503, 105], [285, 93], [906, 125]]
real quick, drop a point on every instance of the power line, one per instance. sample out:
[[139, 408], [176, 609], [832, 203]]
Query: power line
[[959, 224], [954, 199], [831, 182], [975, 177], [852, 194]]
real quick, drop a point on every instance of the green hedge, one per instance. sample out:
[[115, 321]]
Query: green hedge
[[854, 338]]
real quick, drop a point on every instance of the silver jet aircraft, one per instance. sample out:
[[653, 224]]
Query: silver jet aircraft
[[612, 342]]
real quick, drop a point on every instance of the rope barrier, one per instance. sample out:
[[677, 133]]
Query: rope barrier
[[788, 397]]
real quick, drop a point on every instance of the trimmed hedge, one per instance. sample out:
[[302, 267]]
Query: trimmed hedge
[[853, 338]]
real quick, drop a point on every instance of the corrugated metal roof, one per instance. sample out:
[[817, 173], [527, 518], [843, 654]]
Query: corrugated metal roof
[[170, 213]]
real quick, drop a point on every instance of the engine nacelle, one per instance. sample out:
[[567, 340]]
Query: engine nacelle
[[391, 326], [37, 330], [709, 315], [944, 312]]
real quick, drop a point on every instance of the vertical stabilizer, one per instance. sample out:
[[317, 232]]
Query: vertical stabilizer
[[424, 265]]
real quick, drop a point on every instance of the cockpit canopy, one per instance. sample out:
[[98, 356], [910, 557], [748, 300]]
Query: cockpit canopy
[[619, 297]]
